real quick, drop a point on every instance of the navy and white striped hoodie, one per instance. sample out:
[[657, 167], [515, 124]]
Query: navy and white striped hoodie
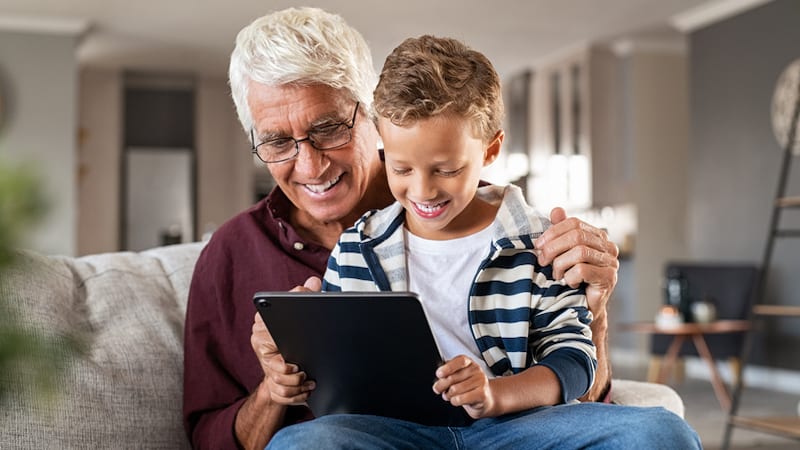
[[519, 315]]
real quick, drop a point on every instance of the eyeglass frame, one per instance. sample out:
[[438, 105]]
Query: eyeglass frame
[[254, 148]]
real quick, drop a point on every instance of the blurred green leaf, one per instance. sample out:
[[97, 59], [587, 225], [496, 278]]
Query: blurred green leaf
[[25, 356], [22, 204]]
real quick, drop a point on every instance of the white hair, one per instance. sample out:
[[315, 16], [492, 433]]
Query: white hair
[[301, 46]]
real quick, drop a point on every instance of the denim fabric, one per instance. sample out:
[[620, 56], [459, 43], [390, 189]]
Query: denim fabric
[[574, 426]]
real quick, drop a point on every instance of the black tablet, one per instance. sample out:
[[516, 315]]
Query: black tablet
[[369, 352]]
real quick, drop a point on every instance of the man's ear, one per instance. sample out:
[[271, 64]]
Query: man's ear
[[493, 149]]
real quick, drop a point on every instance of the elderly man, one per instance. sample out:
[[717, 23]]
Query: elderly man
[[304, 78]]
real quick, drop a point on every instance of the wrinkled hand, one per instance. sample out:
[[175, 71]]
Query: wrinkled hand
[[461, 382], [580, 253], [287, 385]]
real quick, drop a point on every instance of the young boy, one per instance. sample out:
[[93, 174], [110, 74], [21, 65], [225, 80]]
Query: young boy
[[513, 338]]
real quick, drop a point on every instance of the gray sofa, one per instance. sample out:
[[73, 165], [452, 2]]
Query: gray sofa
[[124, 390]]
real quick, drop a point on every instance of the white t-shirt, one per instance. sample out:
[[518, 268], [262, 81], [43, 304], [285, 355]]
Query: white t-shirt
[[442, 272]]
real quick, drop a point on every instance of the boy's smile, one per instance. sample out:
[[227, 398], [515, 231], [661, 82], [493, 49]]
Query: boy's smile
[[429, 211]]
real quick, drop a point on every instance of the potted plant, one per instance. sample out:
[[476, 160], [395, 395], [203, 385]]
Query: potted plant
[[25, 356]]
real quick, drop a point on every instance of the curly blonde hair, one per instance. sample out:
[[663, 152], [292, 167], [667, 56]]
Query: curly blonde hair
[[429, 76]]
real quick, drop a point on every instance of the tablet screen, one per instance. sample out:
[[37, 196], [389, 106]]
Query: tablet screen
[[369, 352]]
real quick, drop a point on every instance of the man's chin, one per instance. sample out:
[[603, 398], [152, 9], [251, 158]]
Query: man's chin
[[325, 212]]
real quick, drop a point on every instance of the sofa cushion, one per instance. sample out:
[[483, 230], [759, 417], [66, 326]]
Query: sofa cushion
[[641, 393], [125, 388]]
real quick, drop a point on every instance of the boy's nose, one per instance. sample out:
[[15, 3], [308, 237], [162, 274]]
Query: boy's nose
[[424, 188]]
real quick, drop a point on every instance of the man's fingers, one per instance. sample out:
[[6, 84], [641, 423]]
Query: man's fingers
[[258, 323], [564, 226], [578, 256], [580, 253], [557, 240], [277, 365], [287, 374], [313, 284], [591, 274], [291, 395], [557, 215], [294, 400], [600, 280]]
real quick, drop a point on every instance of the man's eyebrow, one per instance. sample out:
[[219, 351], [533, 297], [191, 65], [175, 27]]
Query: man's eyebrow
[[327, 118], [270, 135]]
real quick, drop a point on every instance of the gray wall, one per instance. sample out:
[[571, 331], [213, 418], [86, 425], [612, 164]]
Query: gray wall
[[39, 80], [657, 130], [734, 157], [650, 156]]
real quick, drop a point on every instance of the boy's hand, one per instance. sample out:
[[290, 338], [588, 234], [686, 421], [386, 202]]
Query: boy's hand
[[287, 385], [461, 382]]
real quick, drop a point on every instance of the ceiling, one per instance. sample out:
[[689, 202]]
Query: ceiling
[[198, 36]]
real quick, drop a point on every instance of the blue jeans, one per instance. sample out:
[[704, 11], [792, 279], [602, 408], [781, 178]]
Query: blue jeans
[[578, 426]]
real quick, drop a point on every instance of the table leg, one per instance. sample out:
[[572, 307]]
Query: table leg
[[670, 357], [716, 380]]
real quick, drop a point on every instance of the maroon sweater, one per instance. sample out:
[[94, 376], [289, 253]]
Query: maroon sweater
[[257, 250]]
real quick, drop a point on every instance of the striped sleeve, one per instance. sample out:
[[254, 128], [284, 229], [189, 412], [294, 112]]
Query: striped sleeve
[[523, 317], [561, 338]]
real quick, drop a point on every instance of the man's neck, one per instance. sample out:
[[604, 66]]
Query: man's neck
[[377, 196], [323, 233]]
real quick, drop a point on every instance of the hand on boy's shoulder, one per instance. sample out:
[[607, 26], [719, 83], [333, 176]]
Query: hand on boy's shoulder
[[580, 253]]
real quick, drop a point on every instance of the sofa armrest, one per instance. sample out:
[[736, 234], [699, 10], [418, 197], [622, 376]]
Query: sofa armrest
[[640, 393], [124, 390]]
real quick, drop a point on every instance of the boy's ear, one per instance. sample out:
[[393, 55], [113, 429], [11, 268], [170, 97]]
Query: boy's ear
[[493, 149]]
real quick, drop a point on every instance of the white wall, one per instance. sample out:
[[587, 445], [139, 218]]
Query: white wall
[[68, 125], [39, 72], [658, 131], [638, 129], [224, 165], [100, 144]]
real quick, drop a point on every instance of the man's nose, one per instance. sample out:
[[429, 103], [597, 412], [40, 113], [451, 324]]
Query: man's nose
[[310, 161]]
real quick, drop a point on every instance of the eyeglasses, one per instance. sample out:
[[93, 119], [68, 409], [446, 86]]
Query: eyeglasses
[[326, 137]]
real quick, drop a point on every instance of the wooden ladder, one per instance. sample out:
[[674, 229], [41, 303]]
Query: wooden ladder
[[786, 426]]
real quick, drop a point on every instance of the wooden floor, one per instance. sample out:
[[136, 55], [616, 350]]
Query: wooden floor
[[703, 412]]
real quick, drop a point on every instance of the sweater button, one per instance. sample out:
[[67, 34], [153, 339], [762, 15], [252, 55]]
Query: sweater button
[[299, 246]]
